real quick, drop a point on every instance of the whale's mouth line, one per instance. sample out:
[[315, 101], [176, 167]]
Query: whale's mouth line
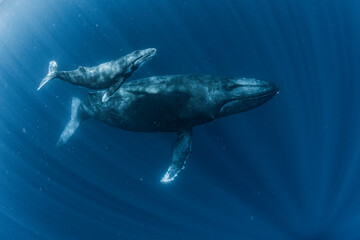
[[227, 107], [146, 57], [272, 92]]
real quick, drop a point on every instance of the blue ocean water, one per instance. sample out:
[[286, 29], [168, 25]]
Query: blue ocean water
[[286, 170]]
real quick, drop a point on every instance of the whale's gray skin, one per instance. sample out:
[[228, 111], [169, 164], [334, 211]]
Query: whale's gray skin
[[171, 104], [110, 75]]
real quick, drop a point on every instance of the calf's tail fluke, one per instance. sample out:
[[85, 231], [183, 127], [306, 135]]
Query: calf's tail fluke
[[53, 68], [72, 125]]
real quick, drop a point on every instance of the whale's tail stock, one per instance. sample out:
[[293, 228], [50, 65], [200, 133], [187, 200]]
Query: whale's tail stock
[[53, 68], [73, 124]]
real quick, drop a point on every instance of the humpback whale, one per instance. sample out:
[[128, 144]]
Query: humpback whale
[[110, 75], [173, 103]]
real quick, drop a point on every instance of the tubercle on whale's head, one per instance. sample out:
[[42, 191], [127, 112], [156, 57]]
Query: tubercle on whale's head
[[246, 93]]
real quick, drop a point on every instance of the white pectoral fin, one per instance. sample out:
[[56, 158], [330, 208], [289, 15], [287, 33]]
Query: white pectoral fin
[[111, 90], [105, 97], [180, 152]]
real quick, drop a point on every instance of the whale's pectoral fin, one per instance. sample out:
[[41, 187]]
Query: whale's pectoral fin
[[180, 152], [111, 90], [72, 125]]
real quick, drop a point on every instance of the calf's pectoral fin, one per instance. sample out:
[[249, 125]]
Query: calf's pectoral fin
[[180, 152], [111, 90]]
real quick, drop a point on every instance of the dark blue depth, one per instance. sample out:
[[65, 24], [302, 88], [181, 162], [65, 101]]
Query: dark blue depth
[[289, 169]]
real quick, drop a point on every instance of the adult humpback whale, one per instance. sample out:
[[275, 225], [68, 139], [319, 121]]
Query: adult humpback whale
[[171, 104], [110, 75]]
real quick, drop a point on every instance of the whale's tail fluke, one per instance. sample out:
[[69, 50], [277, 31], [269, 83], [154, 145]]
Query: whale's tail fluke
[[53, 68], [73, 124]]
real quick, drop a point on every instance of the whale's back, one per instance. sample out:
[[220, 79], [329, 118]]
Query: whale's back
[[166, 103]]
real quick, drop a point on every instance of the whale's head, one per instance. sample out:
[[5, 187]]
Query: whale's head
[[137, 58], [244, 94]]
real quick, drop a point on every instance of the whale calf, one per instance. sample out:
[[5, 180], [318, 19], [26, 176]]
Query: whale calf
[[171, 104], [110, 75]]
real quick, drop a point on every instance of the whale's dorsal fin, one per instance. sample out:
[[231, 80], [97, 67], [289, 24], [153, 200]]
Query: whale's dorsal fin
[[81, 69], [111, 90], [180, 152]]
